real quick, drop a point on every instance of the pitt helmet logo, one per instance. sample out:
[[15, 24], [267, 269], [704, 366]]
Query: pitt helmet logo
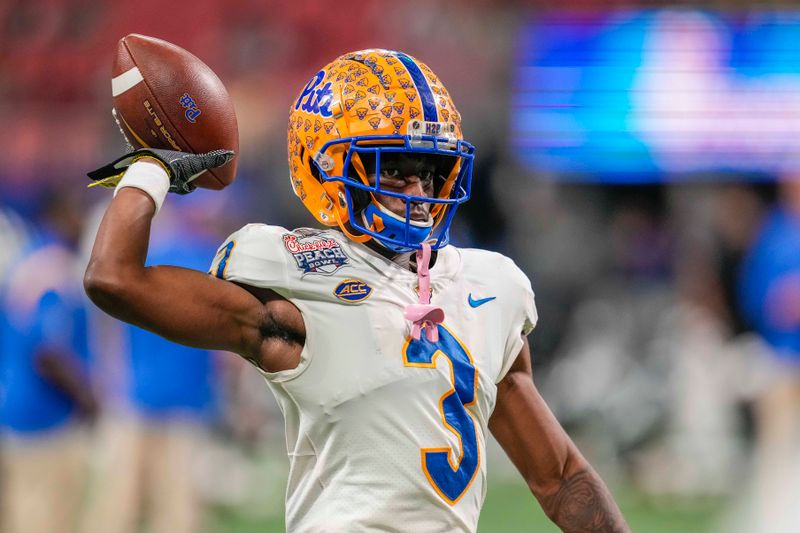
[[352, 290], [316, 99]]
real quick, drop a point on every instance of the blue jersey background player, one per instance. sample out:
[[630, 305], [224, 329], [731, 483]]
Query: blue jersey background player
[[45, 393], [169, 401]]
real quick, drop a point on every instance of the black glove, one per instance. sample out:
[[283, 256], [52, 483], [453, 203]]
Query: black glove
[[182, 167]]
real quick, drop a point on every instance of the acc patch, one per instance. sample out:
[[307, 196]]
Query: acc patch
[[352, 290], [315, 255]]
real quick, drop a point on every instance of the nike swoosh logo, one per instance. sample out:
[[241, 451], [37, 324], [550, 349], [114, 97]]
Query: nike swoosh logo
[[477, 303]]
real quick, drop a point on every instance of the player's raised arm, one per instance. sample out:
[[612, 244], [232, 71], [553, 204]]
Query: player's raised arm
[[183, 305], [567, 487]]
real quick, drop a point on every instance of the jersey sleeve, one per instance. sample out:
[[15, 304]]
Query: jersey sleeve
[[254, 256], [522, 315]]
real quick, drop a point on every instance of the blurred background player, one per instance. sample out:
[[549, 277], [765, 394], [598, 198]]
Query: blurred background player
[[150, 442], [770, 299], [44, 377]]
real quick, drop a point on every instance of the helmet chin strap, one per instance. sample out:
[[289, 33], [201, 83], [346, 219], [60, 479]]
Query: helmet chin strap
[[382, 221]]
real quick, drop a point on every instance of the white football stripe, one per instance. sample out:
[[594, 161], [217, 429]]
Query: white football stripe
[[125, 81]]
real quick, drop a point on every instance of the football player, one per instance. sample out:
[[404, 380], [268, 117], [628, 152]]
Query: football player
[[390, 353]]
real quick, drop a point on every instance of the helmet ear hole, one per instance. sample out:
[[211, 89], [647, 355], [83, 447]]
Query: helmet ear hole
[[311, 166], [360, 199], [314, 171]]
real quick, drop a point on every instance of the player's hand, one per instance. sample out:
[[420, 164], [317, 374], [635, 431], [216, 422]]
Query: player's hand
[[181, 167]]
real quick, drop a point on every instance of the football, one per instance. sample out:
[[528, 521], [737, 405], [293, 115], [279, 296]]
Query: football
[[165, 97]]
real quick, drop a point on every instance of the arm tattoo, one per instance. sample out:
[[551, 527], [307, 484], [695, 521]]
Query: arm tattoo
[[583, 504]]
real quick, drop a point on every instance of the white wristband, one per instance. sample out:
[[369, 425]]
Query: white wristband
[[148, 177]]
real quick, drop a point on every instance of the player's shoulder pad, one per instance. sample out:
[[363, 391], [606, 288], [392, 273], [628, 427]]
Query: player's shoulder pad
[[514, 274], [507, 279], [253, 255], [520, 283], [499, 266]]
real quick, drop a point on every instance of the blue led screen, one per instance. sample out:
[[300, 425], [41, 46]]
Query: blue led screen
[[660, 94]]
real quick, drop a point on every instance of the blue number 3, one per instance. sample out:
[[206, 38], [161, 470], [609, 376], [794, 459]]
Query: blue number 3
[[450, 479]]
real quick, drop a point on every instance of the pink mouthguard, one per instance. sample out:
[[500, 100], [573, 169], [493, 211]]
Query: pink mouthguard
[[423, 315]]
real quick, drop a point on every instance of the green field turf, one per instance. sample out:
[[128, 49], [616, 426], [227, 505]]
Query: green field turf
[[510, 508]]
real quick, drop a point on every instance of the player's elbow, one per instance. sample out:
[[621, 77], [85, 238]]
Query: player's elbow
[[105, 287]]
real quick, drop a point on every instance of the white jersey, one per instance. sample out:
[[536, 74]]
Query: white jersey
[[385, 433]]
